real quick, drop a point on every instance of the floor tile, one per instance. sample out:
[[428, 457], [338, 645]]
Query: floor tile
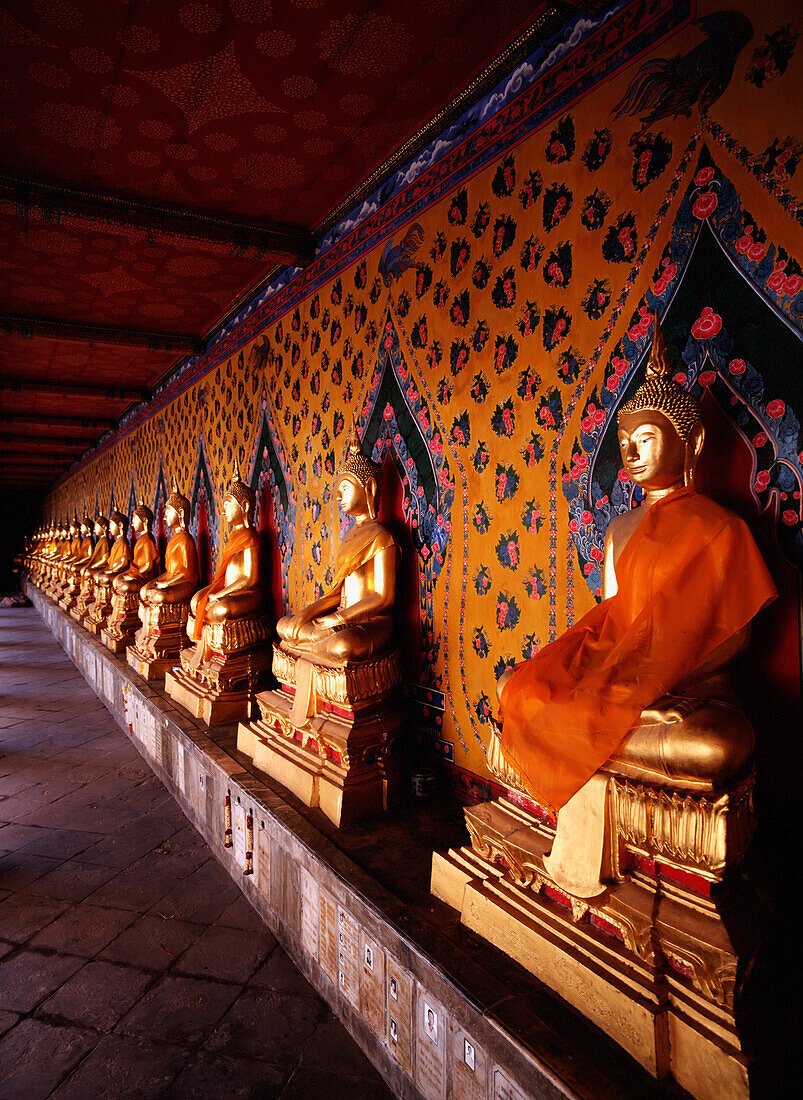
[[84, 930], [265, 1026], [97, 995], [36, 1056], [211, 1076], [179, 1010], [153, 941], [27, 977], [229, 954]]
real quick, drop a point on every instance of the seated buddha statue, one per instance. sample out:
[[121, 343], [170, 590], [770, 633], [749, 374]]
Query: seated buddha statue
[[329, 733], [80, 557], [164, 602], [98, 561], [638, 688], [227, 624], [118, 562], [353, 621], [180, 578], [234, 592], [123, 619]]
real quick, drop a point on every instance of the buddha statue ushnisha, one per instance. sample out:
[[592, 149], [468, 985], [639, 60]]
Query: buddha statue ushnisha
[[329, 732], [180, 578], [164, 603], [638, 686], [219, 674], [234, 592]]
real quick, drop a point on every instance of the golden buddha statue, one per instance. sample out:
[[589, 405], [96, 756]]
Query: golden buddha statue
[[123, 620], [70, 551], [627, 728], [336, 662], [118, 562], [61, 548], [217, 675], [98, 561], [81, 558], [164, 603]]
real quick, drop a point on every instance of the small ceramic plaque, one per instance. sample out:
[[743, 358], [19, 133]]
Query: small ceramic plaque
[[310, 913], [430, 1046], [469, 1068]]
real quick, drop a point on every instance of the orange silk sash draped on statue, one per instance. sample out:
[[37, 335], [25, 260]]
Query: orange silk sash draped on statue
[[360, 545], [689, 578], [239, 541], [145, 555], [180, 557], [120, 553]]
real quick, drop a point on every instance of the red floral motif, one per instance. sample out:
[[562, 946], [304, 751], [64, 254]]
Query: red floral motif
[[705, 205], [737, 366], [574, 526], [776, 408], [707, 378], [593, 418], [757, 252], [792, 284], [759, 440], [704, 176], [745, 242], [707, 324], [587, 517], [762, 481], [789, 517], [623, 475], [680, 378]]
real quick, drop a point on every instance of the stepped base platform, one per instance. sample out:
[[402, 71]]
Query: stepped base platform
[[353, 908]]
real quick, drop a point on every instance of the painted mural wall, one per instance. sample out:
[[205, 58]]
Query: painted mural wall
[[484, 315]]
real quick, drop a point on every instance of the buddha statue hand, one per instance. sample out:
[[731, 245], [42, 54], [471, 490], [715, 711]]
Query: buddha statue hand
[[670, 708]]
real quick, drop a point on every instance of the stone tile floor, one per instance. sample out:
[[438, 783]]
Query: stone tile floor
[[130, 964]]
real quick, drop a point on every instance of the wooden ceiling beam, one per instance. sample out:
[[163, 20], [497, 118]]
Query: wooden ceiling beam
[[56, 329], [36, 388], [36, 438], [56, 199], [85, 425]]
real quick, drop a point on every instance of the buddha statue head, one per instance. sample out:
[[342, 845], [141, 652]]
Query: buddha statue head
[[238, 500], [101, 525], [86, 525], [359, 481], [142, 520], [661, 432], [177, 508], [118, 524]]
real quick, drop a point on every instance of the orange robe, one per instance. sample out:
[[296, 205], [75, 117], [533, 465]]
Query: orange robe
[[120, 554], [182, 557], [146, 559], [689, 578], [243, 539]]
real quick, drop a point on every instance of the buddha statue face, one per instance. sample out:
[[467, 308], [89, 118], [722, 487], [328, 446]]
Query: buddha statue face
[[138, 524], [653, 454], [99, 529], [355, 499], [234, 512], [171, 515], [115, 530]]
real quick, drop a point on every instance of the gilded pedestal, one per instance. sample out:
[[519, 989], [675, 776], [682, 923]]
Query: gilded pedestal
[[86, 596], [123, 621], [71, 592], [343, 759], [222, 687], [159, 640], [658, 959], [99, 610]]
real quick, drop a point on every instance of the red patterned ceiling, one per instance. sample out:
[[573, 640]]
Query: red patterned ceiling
[[257, 106], [268, 109]]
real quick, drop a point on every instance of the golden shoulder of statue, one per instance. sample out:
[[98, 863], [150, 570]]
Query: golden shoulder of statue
[[353, 621], [639, 684]]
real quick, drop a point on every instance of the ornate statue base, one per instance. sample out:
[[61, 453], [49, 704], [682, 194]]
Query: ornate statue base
[[658, 959], [122, 623], [342, 759], [221, 689], [86, 597], [98, 612], [72, 592], [159, 640]]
